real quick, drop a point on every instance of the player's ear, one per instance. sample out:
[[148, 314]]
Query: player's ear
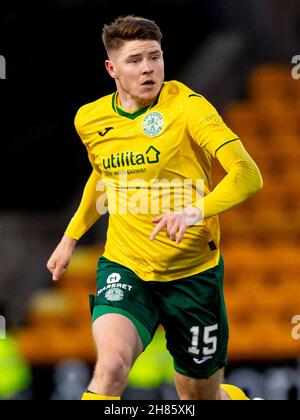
[[111, 69]]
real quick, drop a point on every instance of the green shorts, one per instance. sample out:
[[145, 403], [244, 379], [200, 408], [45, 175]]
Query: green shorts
[[191, 310]]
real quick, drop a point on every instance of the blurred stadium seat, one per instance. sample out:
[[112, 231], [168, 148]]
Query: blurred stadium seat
[[261, 237], [59, 319], [273, 82]]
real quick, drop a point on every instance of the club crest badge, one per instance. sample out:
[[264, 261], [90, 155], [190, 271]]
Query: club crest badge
[[114, 295], [153, 124]]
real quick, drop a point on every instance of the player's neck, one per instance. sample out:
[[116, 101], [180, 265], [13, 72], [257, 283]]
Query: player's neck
[[130, 104]]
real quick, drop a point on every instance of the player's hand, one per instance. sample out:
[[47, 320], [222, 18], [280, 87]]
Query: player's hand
[[60, 259], [176, 223]]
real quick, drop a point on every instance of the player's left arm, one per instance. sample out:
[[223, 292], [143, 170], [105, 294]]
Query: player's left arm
[[242, 181], [243, 178]]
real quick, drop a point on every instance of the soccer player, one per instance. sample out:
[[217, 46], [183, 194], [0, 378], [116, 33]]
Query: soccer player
[[159, 266]]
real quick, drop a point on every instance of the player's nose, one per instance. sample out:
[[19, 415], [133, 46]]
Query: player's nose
[[147, 67]]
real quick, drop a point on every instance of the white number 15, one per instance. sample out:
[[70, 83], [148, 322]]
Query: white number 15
[[210, 340]]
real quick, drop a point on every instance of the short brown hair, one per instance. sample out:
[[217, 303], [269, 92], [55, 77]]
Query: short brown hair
[[129, 28]]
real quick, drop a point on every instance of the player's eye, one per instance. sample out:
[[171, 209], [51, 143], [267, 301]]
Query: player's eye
[[135, 61]]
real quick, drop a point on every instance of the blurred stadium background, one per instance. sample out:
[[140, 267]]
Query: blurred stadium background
[[236, 53]]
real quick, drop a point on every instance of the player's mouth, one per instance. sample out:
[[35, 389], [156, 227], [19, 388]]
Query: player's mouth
[[148, 83]]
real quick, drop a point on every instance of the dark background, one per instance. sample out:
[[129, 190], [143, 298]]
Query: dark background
[[55, 64]]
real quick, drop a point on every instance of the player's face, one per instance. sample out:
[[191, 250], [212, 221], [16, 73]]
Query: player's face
[[138, 68]]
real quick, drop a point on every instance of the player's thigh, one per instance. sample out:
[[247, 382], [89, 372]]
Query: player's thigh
[[116, 334], [124, 312], [199, 389], [193, 313]]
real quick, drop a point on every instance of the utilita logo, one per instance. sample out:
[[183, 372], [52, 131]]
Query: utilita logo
[[2, 328], [124, 159], [2, 67]]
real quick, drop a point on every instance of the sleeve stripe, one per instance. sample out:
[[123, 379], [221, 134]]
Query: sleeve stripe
[[197, 96], [230, 141]]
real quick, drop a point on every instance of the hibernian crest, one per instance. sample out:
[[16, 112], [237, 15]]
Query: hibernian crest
[[114, 295], [153, 124]]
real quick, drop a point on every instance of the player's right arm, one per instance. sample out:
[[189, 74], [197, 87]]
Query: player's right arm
[[85, 217], [61, 257], [86, 214]]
